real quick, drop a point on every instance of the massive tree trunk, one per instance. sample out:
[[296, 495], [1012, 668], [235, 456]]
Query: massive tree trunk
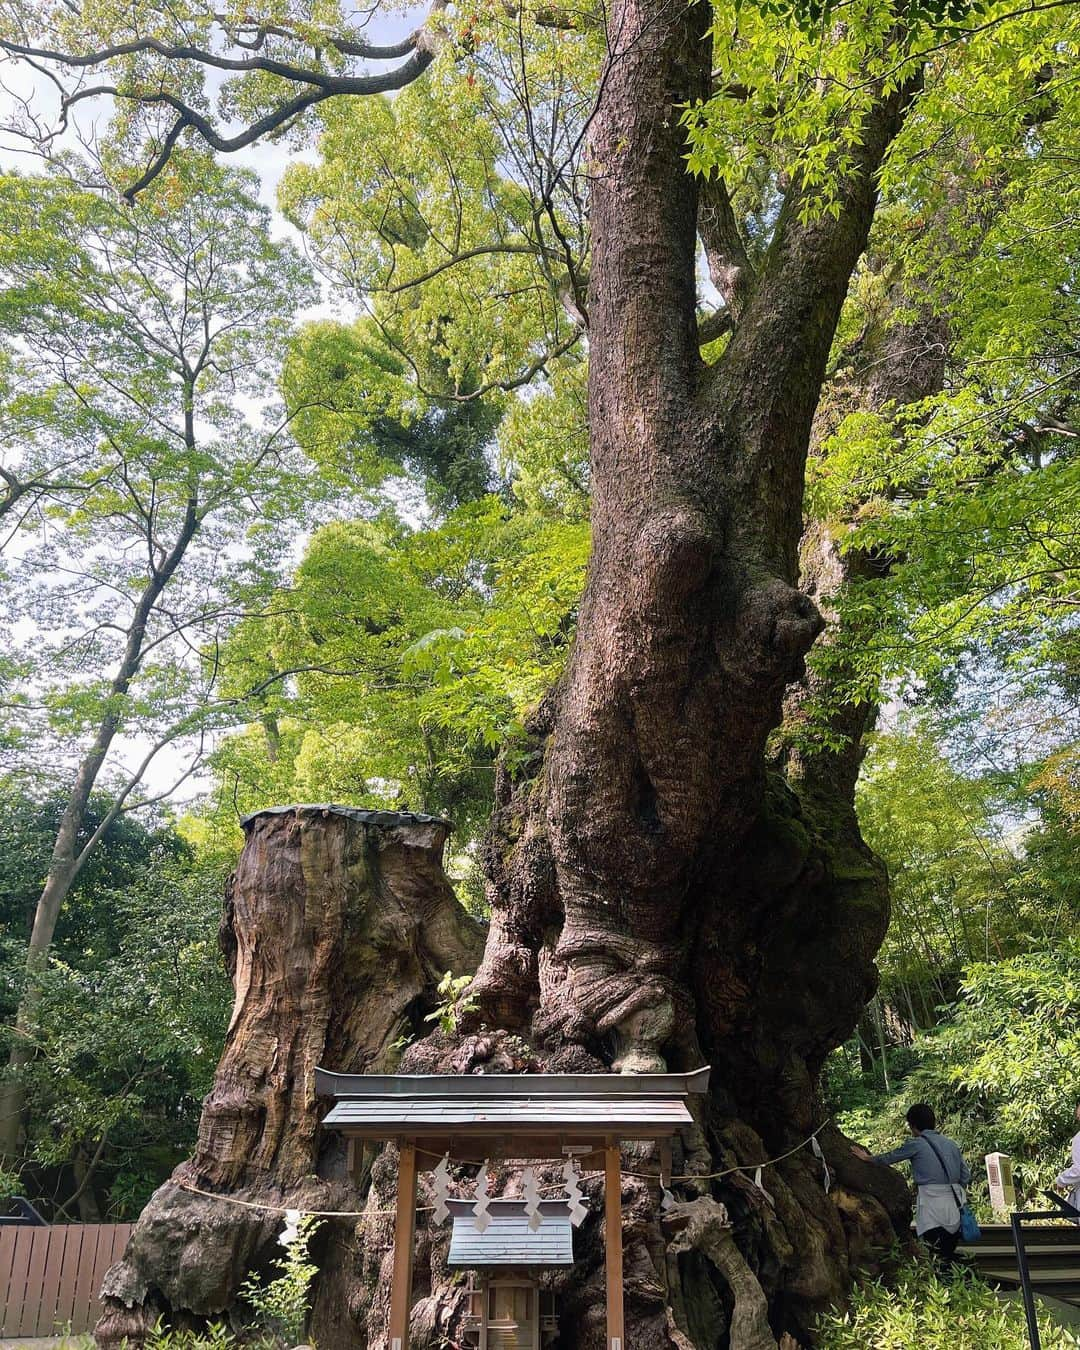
[[892, 362], [660, 897], [338, 925]]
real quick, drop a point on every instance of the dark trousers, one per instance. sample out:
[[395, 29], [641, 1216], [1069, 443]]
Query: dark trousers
[[943, 1245]]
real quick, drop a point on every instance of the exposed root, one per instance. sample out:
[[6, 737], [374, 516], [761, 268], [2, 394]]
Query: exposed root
[[702, 1226]]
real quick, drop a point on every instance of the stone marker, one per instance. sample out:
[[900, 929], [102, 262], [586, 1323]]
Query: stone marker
[[999, 1175]]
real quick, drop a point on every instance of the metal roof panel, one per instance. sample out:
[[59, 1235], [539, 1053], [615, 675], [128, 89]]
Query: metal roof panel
[[542, 1086], [454, 1114], [508, 1240]]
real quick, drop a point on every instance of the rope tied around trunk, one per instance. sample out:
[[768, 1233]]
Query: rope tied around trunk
[[285, 1209], [748, 1168]]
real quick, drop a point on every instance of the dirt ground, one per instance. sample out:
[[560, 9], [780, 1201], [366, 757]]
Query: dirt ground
[[52, 1342]]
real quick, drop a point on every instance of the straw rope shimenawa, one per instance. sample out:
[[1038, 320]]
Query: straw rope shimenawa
[[423, 1209]]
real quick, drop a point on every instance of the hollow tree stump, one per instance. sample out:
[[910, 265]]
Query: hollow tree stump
[[338, 924]]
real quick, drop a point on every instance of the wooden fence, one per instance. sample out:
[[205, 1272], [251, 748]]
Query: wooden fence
[[50, 1277]]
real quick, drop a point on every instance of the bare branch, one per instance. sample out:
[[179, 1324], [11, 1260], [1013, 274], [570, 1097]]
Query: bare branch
[[480, 251], [346, 46], [286, 70], [524, 377], [714, 326]]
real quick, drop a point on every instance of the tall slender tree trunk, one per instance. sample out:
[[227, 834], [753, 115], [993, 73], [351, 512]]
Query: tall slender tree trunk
[[68, 855]]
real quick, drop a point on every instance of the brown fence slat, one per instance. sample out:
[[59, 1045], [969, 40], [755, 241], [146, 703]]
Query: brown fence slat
[[35, 1268], [24, 1302], [103, 1260], [85, 1290], [65, 1294], [120, 1234], [7, 1273], [50, 1277], [37, 1312], [20, 1263]]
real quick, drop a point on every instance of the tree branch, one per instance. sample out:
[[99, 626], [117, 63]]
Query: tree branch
[[419, 49], [480, 251], [787, 328], [346, 46], [91, 1168], [714, 326], [286, 70]]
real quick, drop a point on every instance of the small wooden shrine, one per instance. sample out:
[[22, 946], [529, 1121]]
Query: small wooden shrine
[[508, 1309], [508, 1312], [583, 1118]]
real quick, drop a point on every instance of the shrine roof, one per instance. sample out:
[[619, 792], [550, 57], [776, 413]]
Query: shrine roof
[[536, 1106], [508, 1240], [522, 1086]]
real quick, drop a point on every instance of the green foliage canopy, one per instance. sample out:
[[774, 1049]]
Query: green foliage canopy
[[423, 650], [140, 344], [134, 1003]]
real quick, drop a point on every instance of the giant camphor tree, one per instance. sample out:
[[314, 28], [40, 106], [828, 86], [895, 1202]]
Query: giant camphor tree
[[658, 896]]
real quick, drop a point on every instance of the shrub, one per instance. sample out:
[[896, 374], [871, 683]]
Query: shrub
[[1003, 1072], [280, 1307], [916, 1308]]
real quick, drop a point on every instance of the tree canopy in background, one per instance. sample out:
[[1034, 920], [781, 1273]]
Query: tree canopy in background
[[422, 651], [133, 1005], [392, 503], [152, 475]]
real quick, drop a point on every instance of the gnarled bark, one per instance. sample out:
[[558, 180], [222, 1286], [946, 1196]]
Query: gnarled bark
[[338, 925], [659, 898]]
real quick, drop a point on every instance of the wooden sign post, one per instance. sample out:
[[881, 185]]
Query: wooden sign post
[[613, 1245], [999, 1176], [404, 1233]]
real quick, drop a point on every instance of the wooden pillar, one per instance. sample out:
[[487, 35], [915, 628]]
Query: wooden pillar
[[404, 1230], [613, 1245]]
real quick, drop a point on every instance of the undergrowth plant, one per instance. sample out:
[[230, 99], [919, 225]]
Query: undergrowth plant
[[456, 1002], [280, 1306], [917, 1308], [217, 1336]]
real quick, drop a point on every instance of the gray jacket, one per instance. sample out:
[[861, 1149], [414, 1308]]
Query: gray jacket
[[925, 1165]]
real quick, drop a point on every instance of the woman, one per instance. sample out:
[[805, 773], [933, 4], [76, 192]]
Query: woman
[[1070, 1178], [940, 1174]]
